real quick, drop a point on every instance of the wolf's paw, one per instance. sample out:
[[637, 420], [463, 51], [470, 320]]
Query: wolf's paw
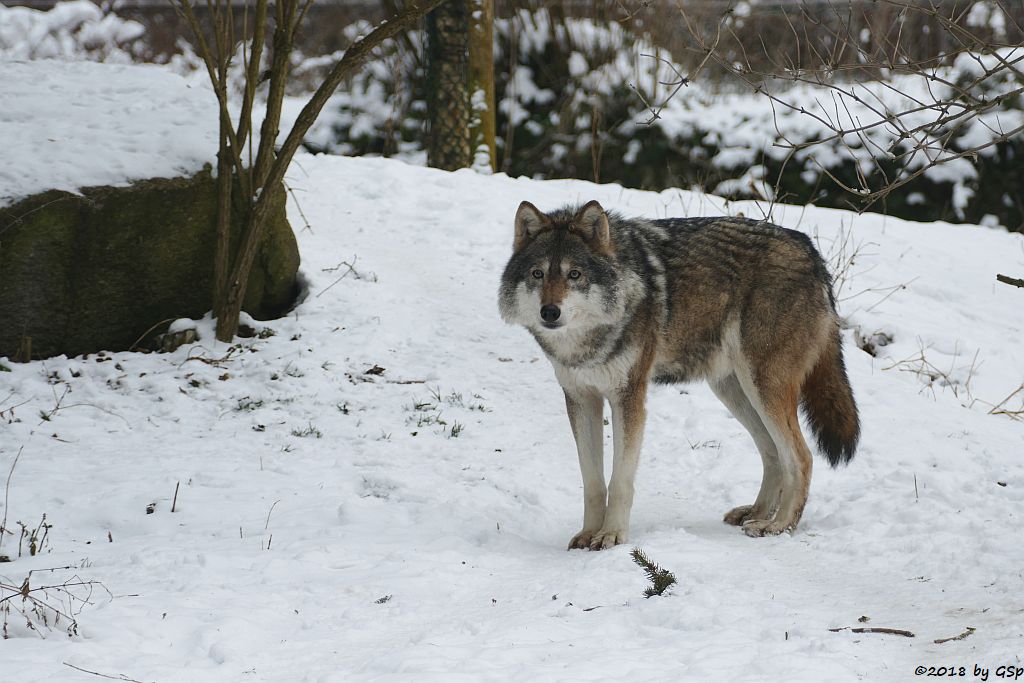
[[743, 514], [738, 515], [606, 538], [581, 540], [765, 527]]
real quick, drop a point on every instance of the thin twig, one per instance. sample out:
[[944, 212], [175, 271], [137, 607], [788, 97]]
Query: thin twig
[[270, 512], [298, 206], [351, 271], [146, 333], [118, 677], [7, 496], [59, 407], [998, 408], [22, 217]]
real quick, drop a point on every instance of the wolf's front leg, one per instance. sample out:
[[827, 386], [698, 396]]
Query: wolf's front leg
[[586, 416], [628, 416]]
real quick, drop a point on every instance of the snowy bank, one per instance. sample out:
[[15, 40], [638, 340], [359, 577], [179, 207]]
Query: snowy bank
[[69, 125]]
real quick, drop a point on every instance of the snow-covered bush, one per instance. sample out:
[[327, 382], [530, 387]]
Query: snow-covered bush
[[575, 100], [563, 89], [75, 30], [795, 147], [381, 110]]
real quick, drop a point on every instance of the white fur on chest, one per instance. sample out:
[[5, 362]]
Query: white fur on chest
[[606, 378]]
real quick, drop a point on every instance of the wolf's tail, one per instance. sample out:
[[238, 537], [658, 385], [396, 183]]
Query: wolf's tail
[[827, 400]]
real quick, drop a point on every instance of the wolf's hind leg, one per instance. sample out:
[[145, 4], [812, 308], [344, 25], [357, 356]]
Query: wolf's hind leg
[[586, 416], [777, 406], [730, 392]]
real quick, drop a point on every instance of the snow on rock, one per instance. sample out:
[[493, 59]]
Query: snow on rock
[[68, 125], [383, 488]]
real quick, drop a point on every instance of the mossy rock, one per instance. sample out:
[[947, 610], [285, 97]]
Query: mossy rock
[[96, 271]]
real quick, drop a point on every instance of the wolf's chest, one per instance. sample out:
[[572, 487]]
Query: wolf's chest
[[606, 378]]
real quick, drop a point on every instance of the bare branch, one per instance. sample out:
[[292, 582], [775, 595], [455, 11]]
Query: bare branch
[[185, 9], [892, 134]]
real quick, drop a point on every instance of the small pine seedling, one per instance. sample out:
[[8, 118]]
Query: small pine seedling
[[660, 578]]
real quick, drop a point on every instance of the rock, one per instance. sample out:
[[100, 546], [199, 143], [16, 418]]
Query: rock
[[172, 341], [101, 270]]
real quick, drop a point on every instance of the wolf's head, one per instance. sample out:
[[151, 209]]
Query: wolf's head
[[562, 275]]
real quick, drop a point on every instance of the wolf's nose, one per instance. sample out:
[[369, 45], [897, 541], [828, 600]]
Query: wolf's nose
[[549, 313]]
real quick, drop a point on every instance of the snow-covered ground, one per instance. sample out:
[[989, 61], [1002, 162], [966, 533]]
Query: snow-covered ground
[[383, 489], [65, 125]]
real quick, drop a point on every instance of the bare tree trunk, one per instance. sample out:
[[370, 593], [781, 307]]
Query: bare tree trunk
[[481, 84], [238, 279], [233, 289], [447, 86], [259, 183], [222, 254]]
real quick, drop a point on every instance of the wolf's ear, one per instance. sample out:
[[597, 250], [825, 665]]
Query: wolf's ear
[[592, 222], [529, 221]]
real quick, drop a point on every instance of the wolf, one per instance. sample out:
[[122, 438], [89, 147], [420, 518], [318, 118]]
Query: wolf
[[618, 303]]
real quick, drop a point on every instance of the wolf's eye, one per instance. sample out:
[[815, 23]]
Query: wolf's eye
[[538, 273], [574, 274]]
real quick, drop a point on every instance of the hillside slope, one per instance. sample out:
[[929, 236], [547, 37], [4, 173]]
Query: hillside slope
[[383, 488]]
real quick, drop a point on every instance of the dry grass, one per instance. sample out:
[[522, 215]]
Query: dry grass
[[47, 607]]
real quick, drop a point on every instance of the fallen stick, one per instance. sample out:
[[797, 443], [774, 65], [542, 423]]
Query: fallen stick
[[874, 629], [1006, 279], [963, 635]]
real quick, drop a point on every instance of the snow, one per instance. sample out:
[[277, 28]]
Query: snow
[[578, 66], [734, 157], [69, 30], [526, 91], [69, 125], [312, 488], [988, 15]]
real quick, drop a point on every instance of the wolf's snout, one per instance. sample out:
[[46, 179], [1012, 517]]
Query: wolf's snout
[[549, 313]]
